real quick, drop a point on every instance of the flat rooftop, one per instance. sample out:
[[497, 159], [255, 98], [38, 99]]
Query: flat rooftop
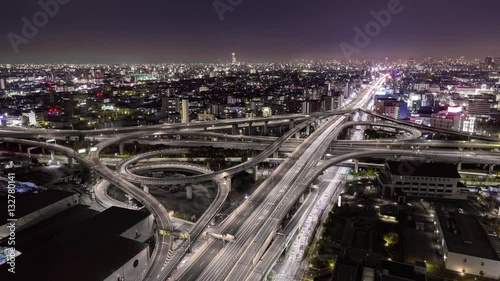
[[27, 203], [471, 238], [100, 264], [90, 250], [423, 169], [396, 271], [39, 233], [347, 271]]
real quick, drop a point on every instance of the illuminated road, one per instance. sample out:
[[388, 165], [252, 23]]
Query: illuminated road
[[268, 215], [334, 180], [266, 208]]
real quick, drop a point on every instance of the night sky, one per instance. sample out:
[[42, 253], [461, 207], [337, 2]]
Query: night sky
[[125, 31]]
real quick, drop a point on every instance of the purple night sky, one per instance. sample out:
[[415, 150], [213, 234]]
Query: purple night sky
[[153, 31]]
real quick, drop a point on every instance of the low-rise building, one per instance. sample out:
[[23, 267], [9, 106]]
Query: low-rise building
[[468, 246], [79, 244], [34, 207], [420, 179]]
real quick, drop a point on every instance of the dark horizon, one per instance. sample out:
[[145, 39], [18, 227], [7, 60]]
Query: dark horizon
[[257, 31]]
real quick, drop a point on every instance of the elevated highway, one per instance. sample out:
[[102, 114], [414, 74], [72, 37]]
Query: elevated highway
[[235, 261], [200, 178], [256, 121], [428, 128]]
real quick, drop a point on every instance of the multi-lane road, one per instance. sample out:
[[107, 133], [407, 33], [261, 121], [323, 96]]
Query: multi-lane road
[[257, 221], [236, 260]]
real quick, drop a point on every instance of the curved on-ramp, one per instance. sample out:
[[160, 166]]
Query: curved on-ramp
[[207, 177]]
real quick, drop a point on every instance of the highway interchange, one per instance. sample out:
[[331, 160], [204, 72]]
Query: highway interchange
[[258, 220]]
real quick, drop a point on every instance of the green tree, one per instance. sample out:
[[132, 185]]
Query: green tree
[[391, 238]]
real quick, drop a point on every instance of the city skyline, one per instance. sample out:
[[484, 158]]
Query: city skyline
[[257, 31]]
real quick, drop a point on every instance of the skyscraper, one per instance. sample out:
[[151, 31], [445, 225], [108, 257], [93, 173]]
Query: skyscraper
[[2, 84], [234, 58], [170, 106], [185, 111]]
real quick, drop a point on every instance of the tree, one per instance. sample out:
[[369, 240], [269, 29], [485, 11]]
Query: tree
[[391, 238]]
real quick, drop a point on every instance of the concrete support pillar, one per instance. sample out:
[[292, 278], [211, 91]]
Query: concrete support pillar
[[297, 135], [275, 154], [145, 188], [178, 137], [255, 172], [122, 148], [43, 150], [189, 192], [52, 156], [302, 198], [250, 128], [356, 166], [235, 129], [491, 169], [459, 166], [20, 148], [266, 128], [228, 182], [70, 162], [81, 138], [292, 124], [308, 130], [205, 130]]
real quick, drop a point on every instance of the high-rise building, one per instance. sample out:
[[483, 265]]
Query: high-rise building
[[234, 58], [387, 106], [170, 106], [479, 108], [488, 60], [2, 84], [347, 90], [333, 102], [185, 111], [32, 118], [328, 88], [52, 100], [469, 124], [311, 106]]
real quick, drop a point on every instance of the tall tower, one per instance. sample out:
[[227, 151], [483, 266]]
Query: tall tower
[[2, 84], [185, 111], [52, 100], [234, 58]]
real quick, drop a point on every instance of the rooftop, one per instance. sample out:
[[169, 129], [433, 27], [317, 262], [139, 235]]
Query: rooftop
[[347, 271], [28, 203], [91, 250], [395, 271], [422, 169], [470, 238]]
